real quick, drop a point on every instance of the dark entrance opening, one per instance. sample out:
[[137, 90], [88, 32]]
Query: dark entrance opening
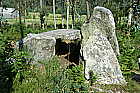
[[68, 49]]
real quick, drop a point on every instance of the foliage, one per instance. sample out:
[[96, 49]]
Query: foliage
[[6, 50], [129, 42], [76, 79], [128, 39], [132, 86], [21, 64], [93, 77], [50, 77], [8, 36]]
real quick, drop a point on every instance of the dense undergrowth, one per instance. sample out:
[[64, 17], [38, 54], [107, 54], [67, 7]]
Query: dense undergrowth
[[8, 36], [129, 42], [19, 76], [50, 77]]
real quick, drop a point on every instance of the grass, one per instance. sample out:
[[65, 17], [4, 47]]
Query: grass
[[49, 77], [49, 19]]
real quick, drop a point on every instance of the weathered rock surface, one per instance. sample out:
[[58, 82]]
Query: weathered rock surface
[[109, 24], [64, 34], [100, 47], [42, 46]]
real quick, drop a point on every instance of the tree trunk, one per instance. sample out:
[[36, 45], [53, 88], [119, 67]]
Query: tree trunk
[[67, 14], [46, 21], [25, 17], [41, 4], [25, 13], [139, 63], [20, 20], [33, 25], [2, 13], [21, 30], [54, 14], [63, 21], [73, 22], [62, 13], [88, 11], [130, 16]]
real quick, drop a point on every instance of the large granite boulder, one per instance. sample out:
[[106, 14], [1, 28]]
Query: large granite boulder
[[42, 46], [100, 47]]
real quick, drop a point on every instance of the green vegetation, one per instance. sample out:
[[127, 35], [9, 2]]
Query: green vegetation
[[17, 75], [49, 77], [26, 78], [29, 20], [129, 41]]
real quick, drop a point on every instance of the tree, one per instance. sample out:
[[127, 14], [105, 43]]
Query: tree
[[2, 14], [41, 4], [54, 14], [130, 17], [62, 12], [73, 12], [21, 30], [88, 11], [67, 14]]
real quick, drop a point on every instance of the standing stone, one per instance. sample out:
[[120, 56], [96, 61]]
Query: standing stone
[[109, 24], [100, 47]]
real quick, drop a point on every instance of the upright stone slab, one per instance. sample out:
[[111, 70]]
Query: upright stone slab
[[41, 48], [100, 47]]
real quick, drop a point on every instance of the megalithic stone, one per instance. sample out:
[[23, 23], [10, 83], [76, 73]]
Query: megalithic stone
[[100, 47], [108, 21], [42, 46]]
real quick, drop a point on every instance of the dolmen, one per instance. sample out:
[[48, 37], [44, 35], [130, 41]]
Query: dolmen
[[95, 44]]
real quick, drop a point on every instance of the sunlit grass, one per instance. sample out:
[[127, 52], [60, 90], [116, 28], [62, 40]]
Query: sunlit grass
[[49, 20]]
